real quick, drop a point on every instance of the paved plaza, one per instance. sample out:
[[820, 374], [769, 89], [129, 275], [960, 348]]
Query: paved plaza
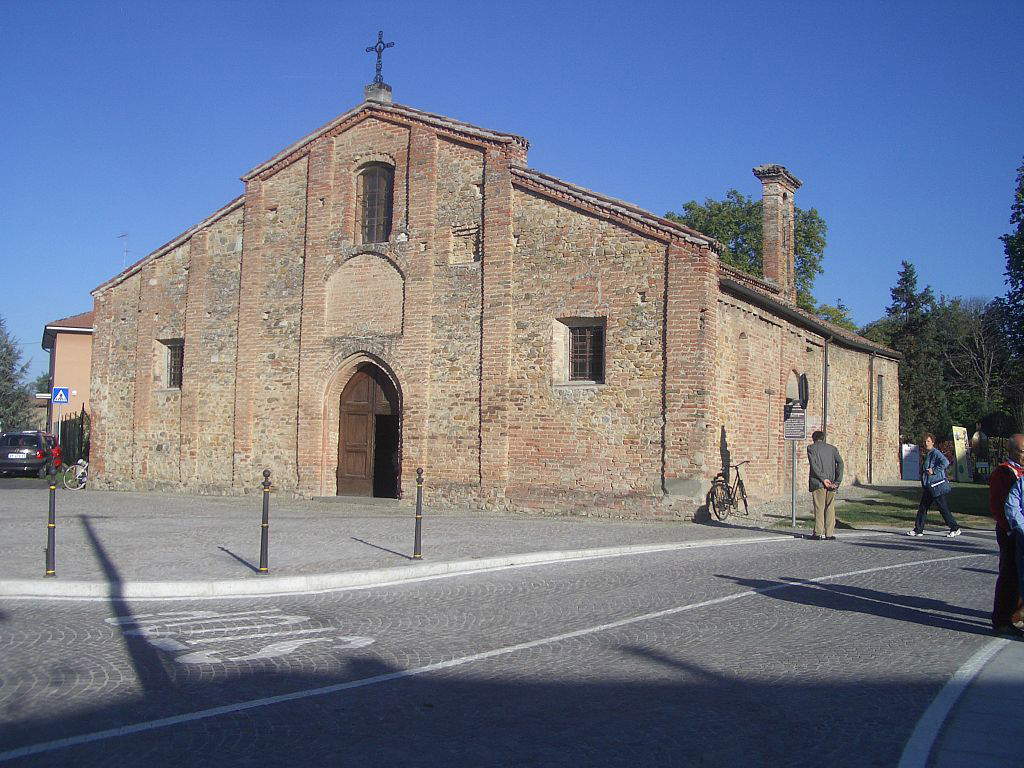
[[101, 534], [736, 646]]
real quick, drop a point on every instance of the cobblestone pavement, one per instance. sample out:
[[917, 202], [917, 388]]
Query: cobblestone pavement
[[188, 537], [800, 653]]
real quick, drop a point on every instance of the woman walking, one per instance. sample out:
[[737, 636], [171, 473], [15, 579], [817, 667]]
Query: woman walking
[[935, 487]]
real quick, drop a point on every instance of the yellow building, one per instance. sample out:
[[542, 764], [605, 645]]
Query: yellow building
[[69, 342]]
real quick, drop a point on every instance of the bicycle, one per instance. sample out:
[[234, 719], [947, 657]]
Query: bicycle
[[723, 499], [76, 475]]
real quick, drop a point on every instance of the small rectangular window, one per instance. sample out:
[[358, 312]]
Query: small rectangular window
[[586, 353], [879, 397], [175, 362]]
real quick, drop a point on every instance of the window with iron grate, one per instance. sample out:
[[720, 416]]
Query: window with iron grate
[[586, 353], [374, 192], [175, 362]]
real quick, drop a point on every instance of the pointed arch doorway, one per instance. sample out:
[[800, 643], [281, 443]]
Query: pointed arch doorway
[[369, 435]]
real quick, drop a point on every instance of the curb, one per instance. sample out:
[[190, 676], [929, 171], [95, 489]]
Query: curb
[[329, 582]]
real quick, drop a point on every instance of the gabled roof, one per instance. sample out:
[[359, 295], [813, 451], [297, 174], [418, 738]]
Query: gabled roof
[[399, 110], [765, 294], [170, 244], [618, 208], [82, 321]]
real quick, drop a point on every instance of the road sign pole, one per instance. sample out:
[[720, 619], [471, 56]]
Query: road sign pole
[[792, 480]]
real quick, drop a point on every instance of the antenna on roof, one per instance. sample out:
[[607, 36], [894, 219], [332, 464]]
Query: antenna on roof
[[124, 236]]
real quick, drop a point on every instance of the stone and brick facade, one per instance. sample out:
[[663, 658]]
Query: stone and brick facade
[[464, 314]]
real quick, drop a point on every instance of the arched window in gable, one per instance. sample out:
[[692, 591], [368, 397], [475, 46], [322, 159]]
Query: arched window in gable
[[374, 198]]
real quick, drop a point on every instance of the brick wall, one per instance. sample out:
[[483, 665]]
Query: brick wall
[[758, 352], [114, 366], [568, 439], [211, 332], [466, 309]]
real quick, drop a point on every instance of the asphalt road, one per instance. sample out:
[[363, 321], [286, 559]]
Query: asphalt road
[[791, 653]]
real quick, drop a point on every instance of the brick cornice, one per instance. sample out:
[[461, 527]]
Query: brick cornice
[[394, 113], [238, 202], [621, 212]]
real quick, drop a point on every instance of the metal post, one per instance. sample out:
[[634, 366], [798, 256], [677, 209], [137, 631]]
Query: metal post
[[417, 548], [265, 525], [51, 526], [792, 480]]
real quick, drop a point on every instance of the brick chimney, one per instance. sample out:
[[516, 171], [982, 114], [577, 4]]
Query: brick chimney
[[778, 186]]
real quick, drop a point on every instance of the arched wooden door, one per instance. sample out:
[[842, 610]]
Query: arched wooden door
[[368, 436]]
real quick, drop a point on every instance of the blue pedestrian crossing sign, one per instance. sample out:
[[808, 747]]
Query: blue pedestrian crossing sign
[[59, 395]]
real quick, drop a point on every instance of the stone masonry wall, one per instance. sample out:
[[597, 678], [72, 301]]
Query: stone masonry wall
[[758, 353], [112, 390], [211, 342], [466, 308], [266, 405], [157, 404], [570, 443], [454, 427]]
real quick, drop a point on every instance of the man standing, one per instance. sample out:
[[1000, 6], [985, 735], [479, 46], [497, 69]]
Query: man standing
[[826, 473], [1004, 501]]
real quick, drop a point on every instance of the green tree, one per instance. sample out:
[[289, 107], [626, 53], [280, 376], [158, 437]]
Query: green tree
[[881, 331], [975, 357], [14, 402], [736, 222], [913, 330], [1013, 247], [838, 314], [40, 383]]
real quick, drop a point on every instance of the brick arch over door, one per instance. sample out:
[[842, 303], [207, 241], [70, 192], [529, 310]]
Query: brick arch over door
[[361, 361]]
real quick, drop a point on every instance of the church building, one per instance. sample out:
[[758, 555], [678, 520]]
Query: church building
[[400, 289]]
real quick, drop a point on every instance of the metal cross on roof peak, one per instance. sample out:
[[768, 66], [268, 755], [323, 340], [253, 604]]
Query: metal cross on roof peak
[[379, 50]]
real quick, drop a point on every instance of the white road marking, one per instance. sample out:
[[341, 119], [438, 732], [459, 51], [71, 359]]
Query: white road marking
[[167, 644], [175, 618], [185, 627], [271, 651], [227, 709], [919, 747], [261, 634]]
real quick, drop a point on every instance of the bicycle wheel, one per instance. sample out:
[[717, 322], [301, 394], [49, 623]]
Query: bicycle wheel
[[74, 478], [741, 495], [719, 501]]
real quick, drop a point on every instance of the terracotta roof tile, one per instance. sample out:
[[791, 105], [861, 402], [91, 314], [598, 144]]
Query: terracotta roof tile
[[83, 320]]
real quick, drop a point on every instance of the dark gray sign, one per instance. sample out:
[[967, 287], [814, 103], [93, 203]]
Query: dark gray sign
[[794, 426]]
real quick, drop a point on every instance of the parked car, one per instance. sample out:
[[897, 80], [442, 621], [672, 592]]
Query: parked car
[[27, 452]]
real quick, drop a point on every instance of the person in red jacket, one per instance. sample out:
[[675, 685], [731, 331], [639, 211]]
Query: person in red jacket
[[1007, 593]]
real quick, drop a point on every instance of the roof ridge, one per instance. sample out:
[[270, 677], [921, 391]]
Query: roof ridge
[[66, 321], [172, 243], [613, 203], [399, 109]]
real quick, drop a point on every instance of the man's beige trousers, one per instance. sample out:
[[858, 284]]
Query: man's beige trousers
[[824, 512]]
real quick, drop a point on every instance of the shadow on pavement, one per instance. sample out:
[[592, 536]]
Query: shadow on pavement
[[677, 713], [242, 560], [888, 605], [146, 660], [382, 549]]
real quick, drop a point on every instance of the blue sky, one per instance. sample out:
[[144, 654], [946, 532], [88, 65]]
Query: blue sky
[[904, 120]]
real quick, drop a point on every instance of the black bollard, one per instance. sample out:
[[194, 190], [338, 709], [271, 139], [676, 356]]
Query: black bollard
[[51, 526], [417, 547], [265, 526]]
